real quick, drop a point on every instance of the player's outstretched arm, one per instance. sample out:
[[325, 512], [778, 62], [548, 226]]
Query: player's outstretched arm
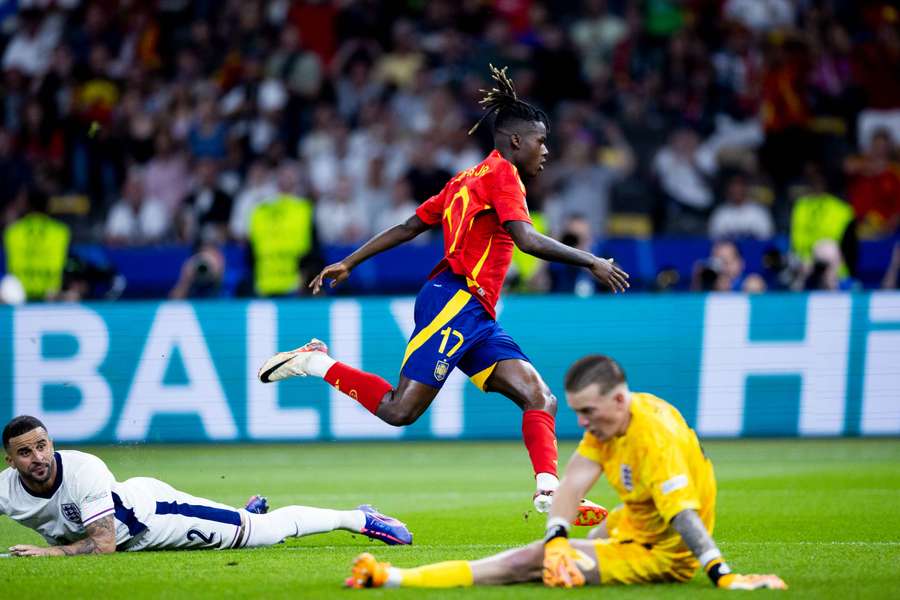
[[689, 525], [560, 568], [530, 241], [101, 539], [385, 240]]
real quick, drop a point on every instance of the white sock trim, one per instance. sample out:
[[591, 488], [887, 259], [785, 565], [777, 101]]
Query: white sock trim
[[708, 556], [546, 482], [394, 578], [318, 363], [353, 520]]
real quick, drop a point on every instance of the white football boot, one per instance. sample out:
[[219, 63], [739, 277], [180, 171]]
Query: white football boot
[[291, 363]]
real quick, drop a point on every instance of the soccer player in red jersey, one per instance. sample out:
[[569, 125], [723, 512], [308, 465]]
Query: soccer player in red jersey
[[483, 213]]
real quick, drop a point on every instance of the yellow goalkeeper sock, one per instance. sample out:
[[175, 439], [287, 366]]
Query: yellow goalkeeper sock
[[453, 573]]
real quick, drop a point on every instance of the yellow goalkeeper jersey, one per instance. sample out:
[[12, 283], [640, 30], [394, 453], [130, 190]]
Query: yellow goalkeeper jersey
[[658, 469]]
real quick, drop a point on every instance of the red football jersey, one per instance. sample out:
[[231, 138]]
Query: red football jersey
[[472, 208]]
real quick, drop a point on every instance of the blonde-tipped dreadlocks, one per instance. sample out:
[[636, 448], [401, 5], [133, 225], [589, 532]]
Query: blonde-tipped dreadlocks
[[504, 101]]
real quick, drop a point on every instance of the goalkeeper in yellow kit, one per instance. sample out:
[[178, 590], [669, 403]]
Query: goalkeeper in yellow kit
[[660, 533]]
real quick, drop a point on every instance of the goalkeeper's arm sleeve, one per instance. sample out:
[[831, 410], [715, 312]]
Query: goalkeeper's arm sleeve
[[692, 530]]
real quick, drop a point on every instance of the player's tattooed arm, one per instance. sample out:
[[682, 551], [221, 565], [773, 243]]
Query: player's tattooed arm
[[101, 539], [692, 530]]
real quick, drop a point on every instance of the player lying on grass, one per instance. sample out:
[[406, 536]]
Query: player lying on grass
[[483, 213], [661, 532], [73, 500]]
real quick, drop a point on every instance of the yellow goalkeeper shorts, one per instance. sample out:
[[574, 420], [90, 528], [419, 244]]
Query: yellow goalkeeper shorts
[[624, 561]]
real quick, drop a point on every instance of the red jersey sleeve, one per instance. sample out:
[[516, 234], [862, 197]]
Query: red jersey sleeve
[[508, 195], [432, 210]]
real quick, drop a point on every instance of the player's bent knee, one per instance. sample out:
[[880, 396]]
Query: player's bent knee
[[545, 401], [398, 415], [401, 419]]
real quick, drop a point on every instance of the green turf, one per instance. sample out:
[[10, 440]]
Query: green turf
[[823, 514]]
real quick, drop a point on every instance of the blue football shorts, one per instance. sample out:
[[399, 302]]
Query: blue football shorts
[[453, 329]]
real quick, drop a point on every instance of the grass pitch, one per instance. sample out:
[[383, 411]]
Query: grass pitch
[[823, 514]]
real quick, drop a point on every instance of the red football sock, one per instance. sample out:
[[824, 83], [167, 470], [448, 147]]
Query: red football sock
[[365, 388], [539, 434]]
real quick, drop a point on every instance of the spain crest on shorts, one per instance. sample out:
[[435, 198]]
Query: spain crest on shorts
[[71, 512], [441, 368]]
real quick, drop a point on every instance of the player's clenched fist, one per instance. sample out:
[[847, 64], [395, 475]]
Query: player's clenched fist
[[733, 581], [560, 568]]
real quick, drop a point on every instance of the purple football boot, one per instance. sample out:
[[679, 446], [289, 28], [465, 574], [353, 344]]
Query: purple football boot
[[384, 528], [257, 504]]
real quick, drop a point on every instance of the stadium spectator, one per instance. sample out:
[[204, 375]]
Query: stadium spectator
[[739, 71], [819, 215], [281, 237], [724, 271], [259, 186], [874, 57], [30, 48], [401, 206], [340, 219], [167, 174], [201, 274], [36, 247], [400, 66], [300, 69], [761, 16], [15, 173], [206, 205], [138, 217], [584, 183], [684, 175], [330, 154], [354, 82], [824, 273], [833, 75], [786, 112], [595, 33], [426, 176], [740, 216], [874, 187], [40, 141], [567, 279], [207, 135]]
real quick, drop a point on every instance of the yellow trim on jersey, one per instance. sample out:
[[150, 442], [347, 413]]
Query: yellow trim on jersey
[[480, 378], [464, 194], [450, 310], [481, 260]]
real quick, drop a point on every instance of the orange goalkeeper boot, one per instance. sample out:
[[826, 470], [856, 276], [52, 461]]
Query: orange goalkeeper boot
[[367, 572]]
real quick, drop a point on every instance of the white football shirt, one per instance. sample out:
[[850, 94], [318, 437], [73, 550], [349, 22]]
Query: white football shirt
[[82, 494]]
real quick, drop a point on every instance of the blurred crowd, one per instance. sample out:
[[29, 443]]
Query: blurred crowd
[[289, 125]]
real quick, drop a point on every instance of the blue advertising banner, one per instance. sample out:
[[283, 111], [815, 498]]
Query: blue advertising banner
[[735, 365]]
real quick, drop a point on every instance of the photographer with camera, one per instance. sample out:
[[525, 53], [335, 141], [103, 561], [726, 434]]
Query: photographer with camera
[[723, 271], [201, 274]]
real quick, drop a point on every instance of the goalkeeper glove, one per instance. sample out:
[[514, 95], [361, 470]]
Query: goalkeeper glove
[[560, 568], [723, 578]]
